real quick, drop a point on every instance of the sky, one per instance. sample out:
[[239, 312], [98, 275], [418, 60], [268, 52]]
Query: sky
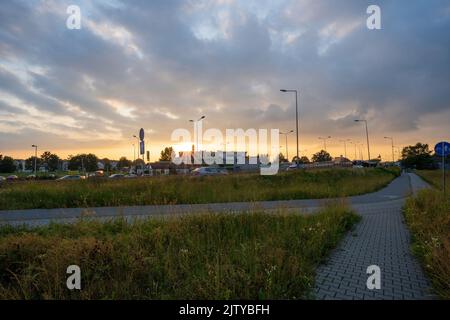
[[157, 64]]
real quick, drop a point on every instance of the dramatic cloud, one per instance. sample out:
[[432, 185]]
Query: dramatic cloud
[[157, 64]]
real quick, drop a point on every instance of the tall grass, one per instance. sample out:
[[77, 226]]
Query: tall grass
[[428, 216], [189, 190], [212, 256]]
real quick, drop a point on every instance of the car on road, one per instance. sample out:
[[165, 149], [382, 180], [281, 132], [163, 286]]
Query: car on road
[[209, 171], [295, 166], [31, 176], [12, 177], [71, 177], [292, 167], [2, 178], [117, 176]]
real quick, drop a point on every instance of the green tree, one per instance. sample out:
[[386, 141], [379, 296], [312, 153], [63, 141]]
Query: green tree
[[7, 164], [50, 160], [86, 162], [417, 156], [282, 158], [106, 164], [29, 163], [123, 163], [166, 154], [139, 162], [304, 159], [321, 156]]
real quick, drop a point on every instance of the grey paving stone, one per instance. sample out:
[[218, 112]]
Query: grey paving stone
[[384, 240]]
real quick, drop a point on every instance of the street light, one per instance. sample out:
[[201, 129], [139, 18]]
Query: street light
[[196, 129], [296, 117], [345, 146], [361, 145], [286, 136], [325, 141], [138, 146], [35, 157], [392, 145], [355, 144], [367, 136]]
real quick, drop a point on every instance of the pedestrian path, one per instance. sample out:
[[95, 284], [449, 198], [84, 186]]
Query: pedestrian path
[[380, 239], [397, 189]]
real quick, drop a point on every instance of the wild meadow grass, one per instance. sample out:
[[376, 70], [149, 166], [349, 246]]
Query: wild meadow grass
[[207, 256], [189, 190], [428, 217]]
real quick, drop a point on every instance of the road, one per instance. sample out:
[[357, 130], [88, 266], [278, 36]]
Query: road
[[397, 189]]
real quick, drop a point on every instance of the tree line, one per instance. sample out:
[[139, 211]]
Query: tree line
[[52, 162], [418, 156]]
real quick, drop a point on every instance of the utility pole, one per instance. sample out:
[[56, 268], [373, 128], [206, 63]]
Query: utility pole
[[392, 145], [367, 137], [296, 120], [35, 158]]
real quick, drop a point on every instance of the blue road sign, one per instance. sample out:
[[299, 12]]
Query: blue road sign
[[142, 147], [141, 134], [442, 149]]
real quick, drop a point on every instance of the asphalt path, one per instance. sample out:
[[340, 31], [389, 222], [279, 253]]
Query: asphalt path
[[398, 189]]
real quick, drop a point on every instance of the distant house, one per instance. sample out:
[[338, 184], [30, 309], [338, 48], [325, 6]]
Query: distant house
[[20, 164], [64, 165], [342, 162]]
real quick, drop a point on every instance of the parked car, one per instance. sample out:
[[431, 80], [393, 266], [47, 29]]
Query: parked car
[[209, 171], [71, 177], [117, 176], [131, 176], [12, 177], [2, 178], [295, 166], [31, 176]]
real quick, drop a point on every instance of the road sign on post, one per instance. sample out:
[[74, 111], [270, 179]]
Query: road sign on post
[[142, 148], [443, 149]]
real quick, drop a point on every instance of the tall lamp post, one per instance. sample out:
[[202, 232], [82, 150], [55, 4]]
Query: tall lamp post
[[138, 144], [392, 145], [345, 146], [286, 136], [35, 157], [367, 136], [355, 143], [296, 118], [196, 129], [325, 141]]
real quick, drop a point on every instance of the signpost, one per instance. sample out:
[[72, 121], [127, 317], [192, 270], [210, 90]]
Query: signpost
[[141, 143], [443, 149]]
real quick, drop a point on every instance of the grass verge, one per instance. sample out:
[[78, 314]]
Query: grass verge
[[189, 190], [209, 256], [428, 217]]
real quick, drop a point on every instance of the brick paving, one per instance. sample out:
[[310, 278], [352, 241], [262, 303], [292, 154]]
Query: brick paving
[[382, 239]]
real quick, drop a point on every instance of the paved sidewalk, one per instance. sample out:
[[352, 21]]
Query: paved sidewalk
[[381, 239]]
